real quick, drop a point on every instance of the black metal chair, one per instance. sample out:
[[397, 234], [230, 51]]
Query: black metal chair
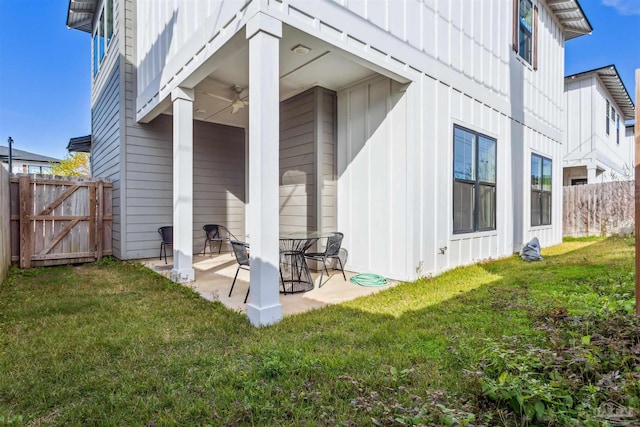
[[332, 251], [216, 233], [166, 233], [242, 256]]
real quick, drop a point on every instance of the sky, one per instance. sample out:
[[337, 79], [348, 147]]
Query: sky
[[45, 68]]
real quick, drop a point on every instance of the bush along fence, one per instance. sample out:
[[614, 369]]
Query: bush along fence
[[59, 220], [605, 209]]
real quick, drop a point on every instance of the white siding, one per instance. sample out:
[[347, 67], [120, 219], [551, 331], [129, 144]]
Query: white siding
[[372, 186], [176, 33], [588, 146]]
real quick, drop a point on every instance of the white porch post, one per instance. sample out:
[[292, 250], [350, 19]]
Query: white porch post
[[182, 185], [264, 34]]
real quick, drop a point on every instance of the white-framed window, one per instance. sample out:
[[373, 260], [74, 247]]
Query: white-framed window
[[618, 129], [525, 31], [541, 180], [474, 181], [102, 34]]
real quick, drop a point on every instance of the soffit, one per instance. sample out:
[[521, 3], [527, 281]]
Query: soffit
[[614, 85], [571, 16], [80, 14]]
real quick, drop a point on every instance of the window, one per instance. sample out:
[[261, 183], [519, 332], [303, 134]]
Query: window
[[474, 181], [608, 109], [618, 129], [102, 35], [541, 172], [525, 31], [45, 170]]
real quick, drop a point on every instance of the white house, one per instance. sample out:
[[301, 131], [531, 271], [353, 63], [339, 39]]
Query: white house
[[598, 146], [429, 132], [26, 162]]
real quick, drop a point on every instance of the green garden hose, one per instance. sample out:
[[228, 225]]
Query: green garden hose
[[368, 279]]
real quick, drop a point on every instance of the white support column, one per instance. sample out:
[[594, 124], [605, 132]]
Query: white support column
[[264, 34], [182, 185]]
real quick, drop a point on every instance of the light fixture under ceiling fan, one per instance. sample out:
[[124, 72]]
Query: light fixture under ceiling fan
[[235, 104]]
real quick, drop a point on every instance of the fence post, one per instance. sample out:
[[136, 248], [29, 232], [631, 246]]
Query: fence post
[[24, 191]]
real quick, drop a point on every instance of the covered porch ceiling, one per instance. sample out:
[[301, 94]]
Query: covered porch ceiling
[[305, 62]]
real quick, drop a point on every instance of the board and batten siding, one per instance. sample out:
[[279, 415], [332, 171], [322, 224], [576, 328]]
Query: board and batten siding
[[307, 162], [176, 33], [587, 144], [373, 197], [395, 193]]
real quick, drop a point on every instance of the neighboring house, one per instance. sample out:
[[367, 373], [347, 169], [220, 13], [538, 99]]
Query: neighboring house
[[429, 132], [26, 162], [599, 147]]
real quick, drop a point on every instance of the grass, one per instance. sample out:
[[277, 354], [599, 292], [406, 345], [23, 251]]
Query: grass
[[114, 344]]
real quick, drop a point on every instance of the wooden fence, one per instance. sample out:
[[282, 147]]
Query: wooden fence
[[5, 224], [59, 221], [599, 209]]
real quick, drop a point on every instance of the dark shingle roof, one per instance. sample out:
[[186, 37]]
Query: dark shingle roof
[[25, 155]]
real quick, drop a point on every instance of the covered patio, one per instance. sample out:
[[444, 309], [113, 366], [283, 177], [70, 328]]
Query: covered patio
[[273, 93], [214, 275]]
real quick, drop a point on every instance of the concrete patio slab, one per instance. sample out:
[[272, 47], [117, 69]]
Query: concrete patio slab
[[214, 275]]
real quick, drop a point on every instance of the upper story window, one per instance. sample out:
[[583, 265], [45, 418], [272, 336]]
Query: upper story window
[[102, 34], [474, 181], [525, 31], [618, 129], [541, 176]]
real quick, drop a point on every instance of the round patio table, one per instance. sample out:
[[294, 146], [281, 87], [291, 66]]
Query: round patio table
[[295, 272]]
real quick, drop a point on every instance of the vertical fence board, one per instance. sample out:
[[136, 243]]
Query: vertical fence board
[[598, 209], [24, 185]]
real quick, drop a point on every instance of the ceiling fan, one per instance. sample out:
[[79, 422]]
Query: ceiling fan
[[236, 104]]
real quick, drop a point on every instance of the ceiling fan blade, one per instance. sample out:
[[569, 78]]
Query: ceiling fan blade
[[213, 95]]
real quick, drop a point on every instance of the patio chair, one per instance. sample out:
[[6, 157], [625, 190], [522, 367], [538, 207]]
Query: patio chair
[[216, 233], [166, 233], [242, 256], [332, 251]]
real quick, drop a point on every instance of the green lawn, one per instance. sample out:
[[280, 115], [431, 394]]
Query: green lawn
[[499, 343]]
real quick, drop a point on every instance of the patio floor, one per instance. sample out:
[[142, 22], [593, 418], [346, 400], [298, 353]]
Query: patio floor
[[215, 274]]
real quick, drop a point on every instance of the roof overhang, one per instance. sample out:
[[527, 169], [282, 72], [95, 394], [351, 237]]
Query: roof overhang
[[614, 85], [80, 14], [572, 18], [81, 144]]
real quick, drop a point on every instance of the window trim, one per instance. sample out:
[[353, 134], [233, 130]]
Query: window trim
[[101, 36], [608, 107], [533, 33], [477, 183], [541, 191]]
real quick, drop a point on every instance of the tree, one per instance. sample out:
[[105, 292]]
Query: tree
[[75, 164]]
